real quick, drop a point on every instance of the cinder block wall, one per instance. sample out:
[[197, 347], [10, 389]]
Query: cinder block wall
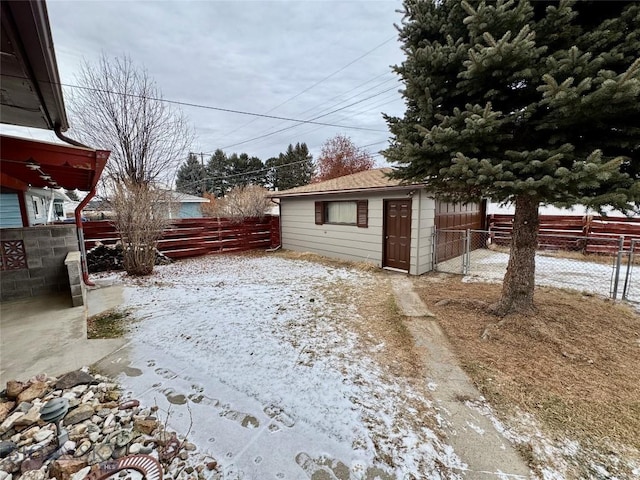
[[45, 248]]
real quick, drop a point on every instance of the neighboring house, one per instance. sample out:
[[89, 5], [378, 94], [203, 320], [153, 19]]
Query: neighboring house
[[45, 205], [36, 257], [184, 205], [371, 218]]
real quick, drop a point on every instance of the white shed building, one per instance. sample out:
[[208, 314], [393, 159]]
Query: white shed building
[[371, 218]]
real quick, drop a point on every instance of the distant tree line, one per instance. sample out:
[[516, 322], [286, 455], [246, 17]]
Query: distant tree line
[[221, 172]]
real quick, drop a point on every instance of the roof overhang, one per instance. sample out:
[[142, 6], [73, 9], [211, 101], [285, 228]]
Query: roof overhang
[[31, 95], [371, 190], [29, 163]]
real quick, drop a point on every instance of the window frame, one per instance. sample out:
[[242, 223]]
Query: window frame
[[362, 213]]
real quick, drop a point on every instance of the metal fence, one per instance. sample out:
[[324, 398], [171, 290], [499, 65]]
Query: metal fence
[[561, 261]]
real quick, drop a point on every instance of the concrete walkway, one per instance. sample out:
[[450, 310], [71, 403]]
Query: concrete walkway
[[486, 452], [46, 335]]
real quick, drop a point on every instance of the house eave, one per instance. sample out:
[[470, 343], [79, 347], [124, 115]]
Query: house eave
[[348, 191]]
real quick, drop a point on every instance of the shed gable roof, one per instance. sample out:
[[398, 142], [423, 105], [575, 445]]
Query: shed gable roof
[[376, 179]]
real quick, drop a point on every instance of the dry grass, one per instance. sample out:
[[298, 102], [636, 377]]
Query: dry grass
[[109, 324], [574, 365]]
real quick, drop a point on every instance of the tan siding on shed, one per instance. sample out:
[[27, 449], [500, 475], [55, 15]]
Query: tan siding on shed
[[349, 242]]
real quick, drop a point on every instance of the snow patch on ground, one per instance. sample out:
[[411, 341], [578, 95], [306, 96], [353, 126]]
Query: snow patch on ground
[[253, 352], [561, 458]]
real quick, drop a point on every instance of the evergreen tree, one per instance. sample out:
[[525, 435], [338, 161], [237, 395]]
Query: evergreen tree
[[245, 170], [72, 195], [191, 177], [290, 169], [526, 102], [217, 170]]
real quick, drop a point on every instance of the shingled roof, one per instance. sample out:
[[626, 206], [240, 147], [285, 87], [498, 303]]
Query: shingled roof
[[376, 179]]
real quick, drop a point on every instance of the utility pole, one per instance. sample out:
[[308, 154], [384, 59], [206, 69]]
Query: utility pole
[[204, 189]]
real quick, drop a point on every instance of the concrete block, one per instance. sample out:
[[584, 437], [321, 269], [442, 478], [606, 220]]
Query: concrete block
[[53, 261], [30, 243], [58, 242], [76, 290], [7, 285], [11, 234], [77, 300], [35, 262], [64, 231], [44, 242], [14, 275], [72, 243], [37, 232], [27, 284], [61, 251]]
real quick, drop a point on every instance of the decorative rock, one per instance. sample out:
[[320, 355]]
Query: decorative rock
[[108, 430], [183, 455], [96, 419], [123, 438], [42, 435], [135, 448], [88, 396], [5, 475], [109, 420], [93, 436], [24, 407], [145, 426], [78, 430], [73, 379], [12, 462], [128, 404], [101, 453], [82, 412], [103, 412], [80, 389], [15, 388], [9, 421], [35, 474], [35, 390], [212, 465], [63, 469], [119, 452], [5, 408], [31, 417], [83, 448], [189, 446], [81, 474], [6, 448]]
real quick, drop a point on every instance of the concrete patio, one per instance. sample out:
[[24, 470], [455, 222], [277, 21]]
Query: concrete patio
[[46, 334]]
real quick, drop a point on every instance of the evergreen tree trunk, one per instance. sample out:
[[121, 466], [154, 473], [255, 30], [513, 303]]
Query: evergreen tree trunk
[[518, 282]]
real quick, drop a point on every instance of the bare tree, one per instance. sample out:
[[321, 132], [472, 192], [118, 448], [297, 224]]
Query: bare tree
[[339, 156], [141, 214], [118, 107], [240, 203]]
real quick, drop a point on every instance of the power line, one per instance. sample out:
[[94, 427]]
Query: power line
[[308, 121], [318, 82], [206, 107]]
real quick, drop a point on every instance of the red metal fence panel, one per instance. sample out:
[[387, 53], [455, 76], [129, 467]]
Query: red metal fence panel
[[191, 237]]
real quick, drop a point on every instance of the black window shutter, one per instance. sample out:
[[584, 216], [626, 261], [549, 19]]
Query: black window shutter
[[363, 213], [319, 213]]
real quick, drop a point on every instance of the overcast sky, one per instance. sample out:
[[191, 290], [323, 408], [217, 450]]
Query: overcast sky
[[247, 55]]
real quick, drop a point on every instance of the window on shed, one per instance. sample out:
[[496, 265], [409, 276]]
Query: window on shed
[[343, 213]]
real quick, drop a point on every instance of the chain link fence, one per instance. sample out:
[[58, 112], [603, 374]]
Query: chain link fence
[[601, 265]]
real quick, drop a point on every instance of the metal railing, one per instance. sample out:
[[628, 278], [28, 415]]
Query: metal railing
[[561, 260]]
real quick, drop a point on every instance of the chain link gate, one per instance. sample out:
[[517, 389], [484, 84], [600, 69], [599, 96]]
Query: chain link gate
[[601, 265]]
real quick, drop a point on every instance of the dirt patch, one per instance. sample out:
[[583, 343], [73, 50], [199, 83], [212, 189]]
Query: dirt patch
[[109, 324], [573, 365]]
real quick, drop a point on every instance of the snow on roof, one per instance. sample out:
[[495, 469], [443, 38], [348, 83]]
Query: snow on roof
[[376, 179], [186, 198]]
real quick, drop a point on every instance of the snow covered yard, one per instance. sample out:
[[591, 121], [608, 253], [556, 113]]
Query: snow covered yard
[[260, 355]]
